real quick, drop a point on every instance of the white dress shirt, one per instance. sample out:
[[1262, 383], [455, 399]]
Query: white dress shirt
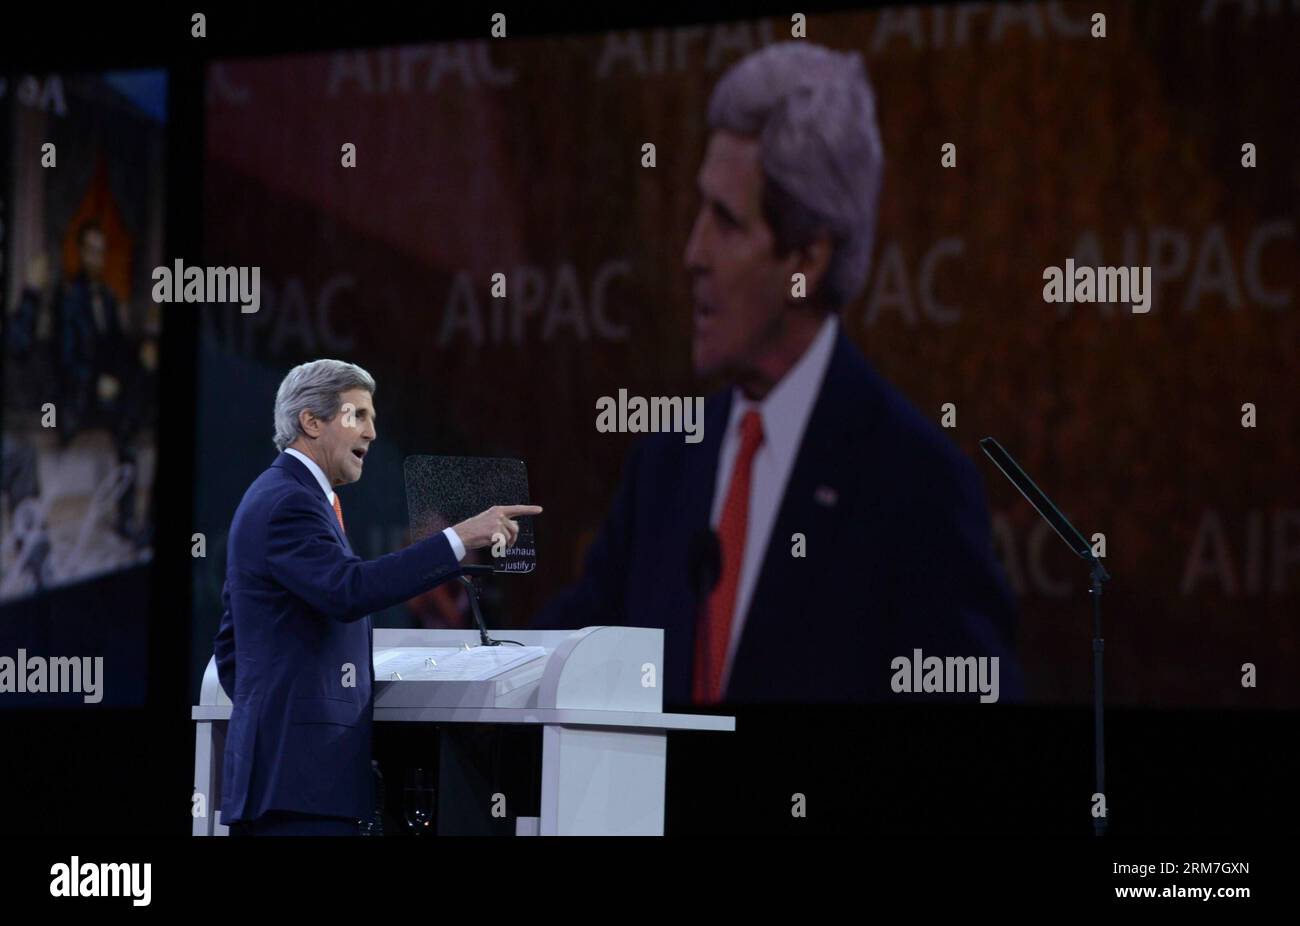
[[457, 546], [784, 413]]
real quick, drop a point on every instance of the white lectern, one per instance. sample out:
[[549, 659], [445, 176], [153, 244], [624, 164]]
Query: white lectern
[[595, 692]]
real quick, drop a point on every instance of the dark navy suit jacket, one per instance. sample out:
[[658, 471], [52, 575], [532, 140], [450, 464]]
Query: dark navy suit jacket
[[898, 553], [297, 604], [83, 350]]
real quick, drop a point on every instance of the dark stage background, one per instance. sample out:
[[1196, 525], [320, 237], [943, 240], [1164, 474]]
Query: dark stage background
[[524, 156]]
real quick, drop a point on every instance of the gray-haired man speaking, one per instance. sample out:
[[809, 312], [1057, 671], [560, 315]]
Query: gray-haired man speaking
[[850, 530], [294, 650]]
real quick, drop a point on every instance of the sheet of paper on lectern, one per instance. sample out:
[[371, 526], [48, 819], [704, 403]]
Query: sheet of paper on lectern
[[450, 664], [408, 661], [484, 662]]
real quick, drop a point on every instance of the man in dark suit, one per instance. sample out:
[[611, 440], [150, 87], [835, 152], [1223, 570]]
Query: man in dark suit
[[92, 347], [295, 647], [849, 530], [102, 383]]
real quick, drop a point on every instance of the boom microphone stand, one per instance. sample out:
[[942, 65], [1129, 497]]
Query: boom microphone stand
[[1074, 540]]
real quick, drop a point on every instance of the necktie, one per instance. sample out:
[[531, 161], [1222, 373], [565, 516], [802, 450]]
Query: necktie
[[338, 512], [97, 310], [714, 632]]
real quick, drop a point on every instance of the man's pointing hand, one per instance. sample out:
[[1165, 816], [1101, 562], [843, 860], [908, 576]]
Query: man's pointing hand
[[478, 532]]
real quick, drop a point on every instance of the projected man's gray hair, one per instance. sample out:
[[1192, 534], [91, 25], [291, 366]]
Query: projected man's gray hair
[[814, 114], [315, 387]]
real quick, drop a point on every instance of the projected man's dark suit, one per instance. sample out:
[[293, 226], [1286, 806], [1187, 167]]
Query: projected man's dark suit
[[898, 553]]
